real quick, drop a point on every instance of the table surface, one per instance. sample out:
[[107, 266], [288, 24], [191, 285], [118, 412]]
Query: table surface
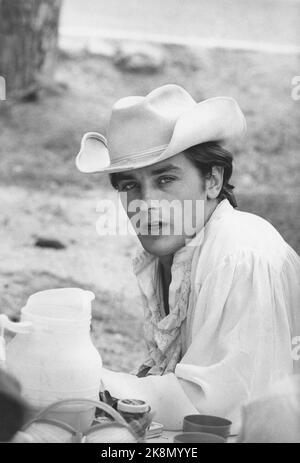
[[165, 437]]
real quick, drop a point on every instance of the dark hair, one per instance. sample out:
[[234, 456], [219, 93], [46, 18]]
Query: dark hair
[[114, 180], [207, 155]]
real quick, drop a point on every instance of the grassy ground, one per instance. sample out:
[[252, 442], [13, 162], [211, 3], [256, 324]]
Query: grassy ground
[[42, 194]]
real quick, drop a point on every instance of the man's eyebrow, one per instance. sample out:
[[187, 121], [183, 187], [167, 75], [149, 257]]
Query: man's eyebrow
[[123, 176], [161, 170]]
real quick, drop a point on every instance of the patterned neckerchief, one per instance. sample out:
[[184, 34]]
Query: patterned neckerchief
[[163, 332]]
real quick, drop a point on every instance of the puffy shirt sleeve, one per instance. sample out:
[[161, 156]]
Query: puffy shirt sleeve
[[240, 342], [241, 337]]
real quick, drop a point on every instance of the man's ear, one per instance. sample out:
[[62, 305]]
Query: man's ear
[[215, 182]]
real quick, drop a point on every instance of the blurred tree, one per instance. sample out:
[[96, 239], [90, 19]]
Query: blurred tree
[[28, 43]]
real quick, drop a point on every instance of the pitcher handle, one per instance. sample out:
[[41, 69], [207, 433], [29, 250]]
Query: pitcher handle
[[15, 327]]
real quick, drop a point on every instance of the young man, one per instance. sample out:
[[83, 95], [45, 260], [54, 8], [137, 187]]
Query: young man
[[221, 300]]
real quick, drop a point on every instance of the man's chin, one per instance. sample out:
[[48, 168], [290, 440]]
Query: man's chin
[[161, 245]]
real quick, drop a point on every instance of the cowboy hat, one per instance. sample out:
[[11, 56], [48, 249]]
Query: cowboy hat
[[146, 130]]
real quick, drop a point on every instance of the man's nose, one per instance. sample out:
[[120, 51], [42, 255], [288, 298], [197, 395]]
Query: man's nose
[[149, 193], [149, 198]]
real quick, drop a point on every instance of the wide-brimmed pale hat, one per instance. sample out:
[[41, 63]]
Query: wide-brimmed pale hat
[[146, 130]]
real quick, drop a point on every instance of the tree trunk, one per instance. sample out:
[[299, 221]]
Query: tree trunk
[[28, 43]]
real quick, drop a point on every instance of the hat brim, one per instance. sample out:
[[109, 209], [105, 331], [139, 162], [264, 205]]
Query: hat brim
[[216, 119]]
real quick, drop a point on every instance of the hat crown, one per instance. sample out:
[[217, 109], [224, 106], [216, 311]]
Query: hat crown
[[141, 124], [145, 130]]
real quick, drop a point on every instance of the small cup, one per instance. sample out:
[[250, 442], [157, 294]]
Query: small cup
[[207, 424], [198, 437]]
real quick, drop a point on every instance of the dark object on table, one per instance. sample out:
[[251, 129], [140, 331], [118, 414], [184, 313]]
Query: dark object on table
[[105, 397], [49, 243], [13, 410], [207, 424], [135, 412]]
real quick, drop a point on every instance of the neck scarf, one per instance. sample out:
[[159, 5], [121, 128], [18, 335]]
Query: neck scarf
[[163, 333]]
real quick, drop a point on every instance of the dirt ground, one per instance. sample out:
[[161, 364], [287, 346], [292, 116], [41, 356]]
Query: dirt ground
[[42, 194]]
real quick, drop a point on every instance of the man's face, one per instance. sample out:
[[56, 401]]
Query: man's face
[[173, 195]]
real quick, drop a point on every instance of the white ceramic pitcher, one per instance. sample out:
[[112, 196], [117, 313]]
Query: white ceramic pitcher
[[52, 355]]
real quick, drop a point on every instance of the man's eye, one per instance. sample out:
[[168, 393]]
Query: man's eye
[[165, 179], [126, 186]]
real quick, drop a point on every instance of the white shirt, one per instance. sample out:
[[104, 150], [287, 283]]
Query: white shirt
[[242, 317]]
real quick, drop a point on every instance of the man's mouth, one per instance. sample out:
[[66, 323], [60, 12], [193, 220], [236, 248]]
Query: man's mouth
[[155, 225], [152, 228]]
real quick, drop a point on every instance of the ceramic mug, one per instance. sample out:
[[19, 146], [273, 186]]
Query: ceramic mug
[[207, 424], [198, 437]]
